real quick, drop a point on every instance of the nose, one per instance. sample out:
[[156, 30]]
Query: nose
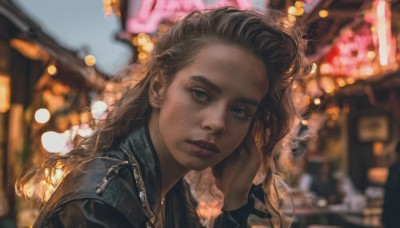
[[214, 120]]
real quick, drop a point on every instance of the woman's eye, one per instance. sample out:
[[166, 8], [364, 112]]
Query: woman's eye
[[200, 95], [240, 112]]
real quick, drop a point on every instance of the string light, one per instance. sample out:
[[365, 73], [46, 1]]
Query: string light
[[52, 70], [98, 108], [327, 84], [313, 68], [42, 115], [90, 60], [299, 4], [371, 55], [145, 46], [341, 82], [111, 6], [350, 80], [317, 101], [323, 13], [5, 92], [85, 130], [53, 142], [292, 10]]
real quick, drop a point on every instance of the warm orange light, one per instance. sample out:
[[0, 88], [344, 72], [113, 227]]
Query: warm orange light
[[317, 101], [143, 56], [299, 4], [307, 100], [350, 81], [323, 13], [326, 68], [111, 6], [148, 47], [208, 209], [327, 84], [143, 38], [299, 11], [4, 93], [292, 10], [291, 19], [90, 60], [377, 148], [371, 55], [52, 70], [341, 82]]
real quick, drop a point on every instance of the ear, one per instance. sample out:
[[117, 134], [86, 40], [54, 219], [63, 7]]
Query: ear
[[157, 92]]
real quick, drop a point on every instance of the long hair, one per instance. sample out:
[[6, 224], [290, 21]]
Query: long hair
[[279, 46]]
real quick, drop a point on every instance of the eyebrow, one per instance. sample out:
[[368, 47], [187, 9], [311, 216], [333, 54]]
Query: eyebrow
[[204, 80], [248, 101]]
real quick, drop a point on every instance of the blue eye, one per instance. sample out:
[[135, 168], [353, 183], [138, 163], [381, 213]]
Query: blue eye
[[240, 112], [199, 94]]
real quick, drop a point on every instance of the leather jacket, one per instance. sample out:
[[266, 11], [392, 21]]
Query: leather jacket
[[121, 188]]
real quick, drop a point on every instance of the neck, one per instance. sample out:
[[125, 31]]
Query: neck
[[171, 170]]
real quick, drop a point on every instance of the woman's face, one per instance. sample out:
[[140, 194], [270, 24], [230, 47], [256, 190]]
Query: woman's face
[[206, 111]]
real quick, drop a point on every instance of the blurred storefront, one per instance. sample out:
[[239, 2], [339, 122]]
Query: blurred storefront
[[353, 94], [355, 85], [43, 88]]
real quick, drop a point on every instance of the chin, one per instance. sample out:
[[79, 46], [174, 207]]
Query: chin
[[199, 168], [196, 166]]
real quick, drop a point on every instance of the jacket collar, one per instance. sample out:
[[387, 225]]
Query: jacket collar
[[139, 144]]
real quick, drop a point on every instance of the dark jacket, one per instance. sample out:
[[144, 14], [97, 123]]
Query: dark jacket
[[391, 203], [122, 188]]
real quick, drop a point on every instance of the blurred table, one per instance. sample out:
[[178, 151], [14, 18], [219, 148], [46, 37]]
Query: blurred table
[[362, 220], [335, 215]]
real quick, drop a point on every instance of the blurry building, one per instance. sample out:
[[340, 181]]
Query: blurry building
[[43, 87]]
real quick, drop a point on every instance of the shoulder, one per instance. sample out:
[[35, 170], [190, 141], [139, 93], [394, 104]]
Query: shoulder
[[82, 213], [111, 175]]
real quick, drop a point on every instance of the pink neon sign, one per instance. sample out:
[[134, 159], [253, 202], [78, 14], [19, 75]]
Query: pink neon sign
[[145, 15]]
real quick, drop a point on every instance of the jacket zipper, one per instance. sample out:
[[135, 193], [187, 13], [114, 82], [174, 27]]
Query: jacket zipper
[[142, 190]]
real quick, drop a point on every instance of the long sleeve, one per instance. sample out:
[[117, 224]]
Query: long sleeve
[[390, 215], [226, 220], [238, 218], [87, 213]]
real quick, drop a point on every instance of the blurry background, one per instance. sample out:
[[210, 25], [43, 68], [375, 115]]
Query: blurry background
[[81, 26], [57, 59]]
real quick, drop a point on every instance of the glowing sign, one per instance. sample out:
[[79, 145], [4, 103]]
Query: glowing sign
[[145, 15]]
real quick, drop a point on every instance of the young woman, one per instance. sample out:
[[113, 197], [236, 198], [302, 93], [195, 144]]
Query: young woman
[[216, 94]]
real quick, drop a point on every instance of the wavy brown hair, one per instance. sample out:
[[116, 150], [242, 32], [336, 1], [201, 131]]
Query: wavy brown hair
[[269, 37]]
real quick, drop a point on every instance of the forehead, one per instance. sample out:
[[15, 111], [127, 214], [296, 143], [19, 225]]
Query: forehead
[[231, 66]]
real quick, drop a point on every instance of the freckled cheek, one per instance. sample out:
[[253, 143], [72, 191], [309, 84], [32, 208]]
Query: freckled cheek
[[178, 113]]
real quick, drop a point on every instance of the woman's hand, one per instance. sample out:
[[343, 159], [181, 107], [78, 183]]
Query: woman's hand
[[235, 174]]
